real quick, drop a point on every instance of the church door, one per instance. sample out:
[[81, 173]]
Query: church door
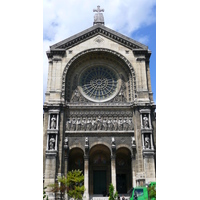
[[99, 180], [121, 183]]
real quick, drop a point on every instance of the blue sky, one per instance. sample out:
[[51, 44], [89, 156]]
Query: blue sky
[[133, 18]]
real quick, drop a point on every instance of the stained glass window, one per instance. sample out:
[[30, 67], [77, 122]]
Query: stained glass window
[[98, 83]]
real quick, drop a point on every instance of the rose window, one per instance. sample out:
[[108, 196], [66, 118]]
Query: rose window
[[98, 83]]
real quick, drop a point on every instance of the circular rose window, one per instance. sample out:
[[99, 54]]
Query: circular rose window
[[99, 83]]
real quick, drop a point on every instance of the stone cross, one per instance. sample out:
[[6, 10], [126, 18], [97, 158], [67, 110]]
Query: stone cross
[[98, 9]]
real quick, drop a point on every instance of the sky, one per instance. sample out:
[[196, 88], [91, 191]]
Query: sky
[[133, 18]]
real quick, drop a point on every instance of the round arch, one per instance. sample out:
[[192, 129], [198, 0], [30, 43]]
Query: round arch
[[104, 50]]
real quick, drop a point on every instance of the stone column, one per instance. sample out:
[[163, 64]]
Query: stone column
[[149, 168], [133, 163], [113, 171], [86, 178], [142, 141], [50, 173]]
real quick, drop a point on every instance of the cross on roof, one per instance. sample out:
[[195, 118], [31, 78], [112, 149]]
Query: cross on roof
[[98, 9]]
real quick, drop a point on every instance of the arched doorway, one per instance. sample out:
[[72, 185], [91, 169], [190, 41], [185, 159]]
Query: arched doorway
[[76, 159], [123, 170], [99, 170]]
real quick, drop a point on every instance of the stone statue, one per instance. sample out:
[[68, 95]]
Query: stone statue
[[113, 141], [115, 124], [83, 124], [99, 123], [110, 125], [86, 141], [120, 124], [105, 125], [131, 126], [73, 127], [94, 124], [53, 122], [147, 142], [66, 141], [133, 141], [145, 121], [89, 124], [68, 125], [78, 124], [76, 96], [126, 125], [52, 143]]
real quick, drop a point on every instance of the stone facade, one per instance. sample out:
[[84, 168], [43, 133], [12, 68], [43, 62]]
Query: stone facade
[[99, 111]]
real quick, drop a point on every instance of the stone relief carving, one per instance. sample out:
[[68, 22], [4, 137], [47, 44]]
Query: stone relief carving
[[145, 121], [113, 142], [52, 143], [99, 124], [53, 122], [147, 142], [133, 144], [66, 141]]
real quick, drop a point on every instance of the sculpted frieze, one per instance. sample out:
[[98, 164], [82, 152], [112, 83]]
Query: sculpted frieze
[[99, 123]]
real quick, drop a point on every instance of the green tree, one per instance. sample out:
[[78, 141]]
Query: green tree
[[44, 193], [73, 184], [112, 195], [152, 191]]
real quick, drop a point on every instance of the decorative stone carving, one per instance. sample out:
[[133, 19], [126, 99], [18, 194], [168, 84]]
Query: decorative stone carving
[[115, 124], [68, 124], [86, 141], [53, 122], [113, 142], [105, 125], [145, 121], [52, 143], [83, 124], [89, 125], [99, 123], [133, 144], [78, 124], [147, 142], [132, 87], [73, 126], [66, 141], [94, 124]]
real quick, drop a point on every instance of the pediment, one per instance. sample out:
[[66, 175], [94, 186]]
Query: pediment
[[93, 31]]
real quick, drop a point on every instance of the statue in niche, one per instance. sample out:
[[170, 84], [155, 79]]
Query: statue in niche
[[68, 125], [73, 126], [89, 124], [113, 141], [78, 124], [94, 124], [126, 125], [131, 126], [66, 141], [99, 123], [53, 122], [105, 125], [110, 125], [147, 142], [120, 124], [115, 124], [133, 141], [52, 143], [83, 124], [86, 141], [145, 121]]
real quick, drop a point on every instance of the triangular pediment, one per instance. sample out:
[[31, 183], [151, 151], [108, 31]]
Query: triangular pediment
[[93, 31]]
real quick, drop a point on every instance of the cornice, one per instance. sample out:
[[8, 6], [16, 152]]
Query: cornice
[[61, 47]]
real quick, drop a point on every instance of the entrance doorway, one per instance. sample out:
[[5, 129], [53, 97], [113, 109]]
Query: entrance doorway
[[121, 183], [99, 180]]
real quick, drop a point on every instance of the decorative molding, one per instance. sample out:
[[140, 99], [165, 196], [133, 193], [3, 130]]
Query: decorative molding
[[98, 50]]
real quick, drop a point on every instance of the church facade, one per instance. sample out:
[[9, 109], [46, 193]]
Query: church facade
[[99, 113]]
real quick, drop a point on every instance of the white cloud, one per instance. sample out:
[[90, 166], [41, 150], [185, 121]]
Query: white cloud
[[64, 18]]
